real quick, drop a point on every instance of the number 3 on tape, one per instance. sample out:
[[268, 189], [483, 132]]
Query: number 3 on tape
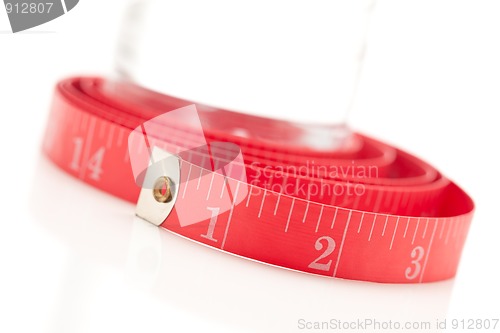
[[408, 225]]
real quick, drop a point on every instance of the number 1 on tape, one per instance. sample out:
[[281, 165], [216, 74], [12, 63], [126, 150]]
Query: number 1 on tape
[[198, 172], [191, 175]]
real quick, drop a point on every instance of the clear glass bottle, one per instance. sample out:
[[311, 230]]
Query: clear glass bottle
[[293, 60]]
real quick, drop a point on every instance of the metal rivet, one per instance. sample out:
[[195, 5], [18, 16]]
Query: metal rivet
[[162, 190]]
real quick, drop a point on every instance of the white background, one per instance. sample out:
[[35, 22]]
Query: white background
[[431, 85]]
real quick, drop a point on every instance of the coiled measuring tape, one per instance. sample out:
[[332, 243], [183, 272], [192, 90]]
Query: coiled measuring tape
[[405, 223]]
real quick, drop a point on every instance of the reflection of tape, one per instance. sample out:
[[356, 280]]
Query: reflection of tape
[[145, 254], [406, 223]]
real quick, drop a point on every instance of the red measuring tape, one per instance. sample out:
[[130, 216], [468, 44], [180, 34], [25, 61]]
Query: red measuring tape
[[380, 214]]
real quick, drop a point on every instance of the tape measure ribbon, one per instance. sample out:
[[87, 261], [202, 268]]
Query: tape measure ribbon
[[246, 196]]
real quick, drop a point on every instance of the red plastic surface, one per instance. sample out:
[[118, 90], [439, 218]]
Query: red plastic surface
[[408, 225]]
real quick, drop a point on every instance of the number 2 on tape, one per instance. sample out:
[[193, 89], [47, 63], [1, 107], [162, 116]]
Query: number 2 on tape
[[236, 194]]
